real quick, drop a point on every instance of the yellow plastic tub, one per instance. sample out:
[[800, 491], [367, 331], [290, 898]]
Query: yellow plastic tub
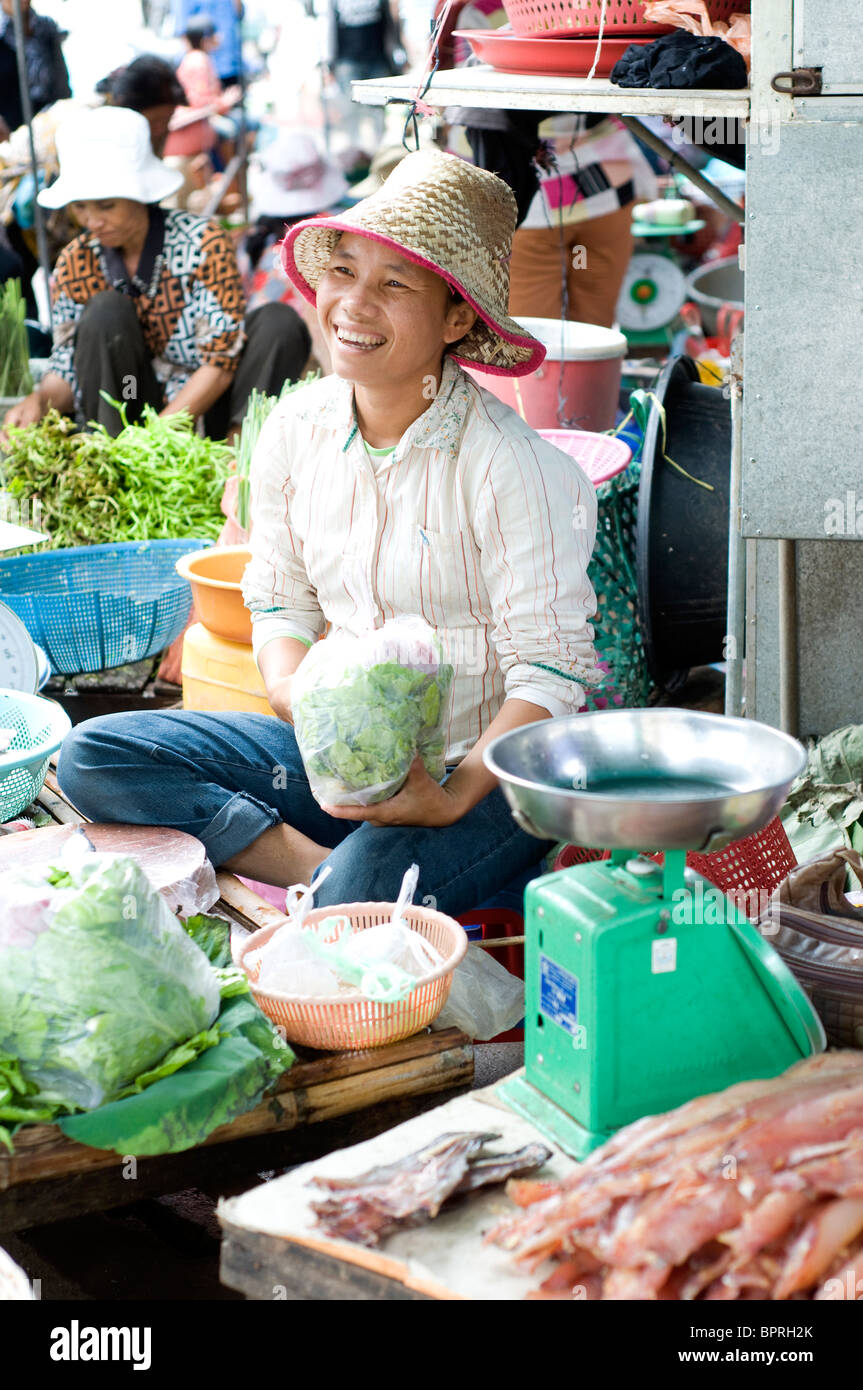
[[219, 675], [215, 575]]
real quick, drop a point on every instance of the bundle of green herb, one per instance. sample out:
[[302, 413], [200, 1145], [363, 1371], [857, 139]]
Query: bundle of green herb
[[158, 480], [257, 410], [15, 378]]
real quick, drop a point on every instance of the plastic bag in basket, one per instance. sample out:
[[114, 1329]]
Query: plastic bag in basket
[[330, 958], [287, 962], [365, 706]]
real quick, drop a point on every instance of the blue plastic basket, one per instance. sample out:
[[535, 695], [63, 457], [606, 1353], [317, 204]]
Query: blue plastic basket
[[97, 606], [40, 727]]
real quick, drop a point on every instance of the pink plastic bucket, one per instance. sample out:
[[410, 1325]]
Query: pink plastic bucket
[[583, 365]]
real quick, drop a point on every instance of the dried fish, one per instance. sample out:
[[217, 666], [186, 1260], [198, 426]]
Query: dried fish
[[410, 1191], [755, 1192]]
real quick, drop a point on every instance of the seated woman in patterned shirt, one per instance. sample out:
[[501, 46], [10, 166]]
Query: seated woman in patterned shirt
[[148, 306], [395, 486]]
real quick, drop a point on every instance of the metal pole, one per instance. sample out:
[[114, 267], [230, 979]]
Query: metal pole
[[683, 166], [736, 636], [27, 108], [789, 690], [241, 138]]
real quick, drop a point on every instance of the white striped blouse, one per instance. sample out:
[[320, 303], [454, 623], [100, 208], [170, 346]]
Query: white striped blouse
[[474, 522]]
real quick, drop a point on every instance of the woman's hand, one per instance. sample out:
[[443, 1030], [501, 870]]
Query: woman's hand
[[26, 412], [421, 801], [230, 96]]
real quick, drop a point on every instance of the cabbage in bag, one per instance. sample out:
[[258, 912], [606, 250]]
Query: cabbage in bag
[[365, 706], [98, 979]]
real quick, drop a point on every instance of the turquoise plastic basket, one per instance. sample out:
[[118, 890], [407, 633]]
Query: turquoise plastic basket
[[98, 606], [40, 727]]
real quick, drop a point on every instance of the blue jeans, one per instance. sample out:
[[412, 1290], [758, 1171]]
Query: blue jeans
[[226, 778]]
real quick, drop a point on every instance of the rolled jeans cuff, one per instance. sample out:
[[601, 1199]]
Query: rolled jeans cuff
[[240, 821]]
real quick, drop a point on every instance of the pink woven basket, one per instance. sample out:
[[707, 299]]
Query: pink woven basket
[[559, 18], [340, 1024]]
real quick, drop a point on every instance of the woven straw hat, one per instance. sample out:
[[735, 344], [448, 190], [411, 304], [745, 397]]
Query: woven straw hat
[[455, 220]]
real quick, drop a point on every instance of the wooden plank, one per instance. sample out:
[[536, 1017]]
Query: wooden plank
[[215, 1168], [252, 909], [56, 806], [310, 1093], [255, 1264], [445, 1258]]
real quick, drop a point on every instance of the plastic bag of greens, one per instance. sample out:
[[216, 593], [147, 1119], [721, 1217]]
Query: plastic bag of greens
[[98, 979], [365, 706]]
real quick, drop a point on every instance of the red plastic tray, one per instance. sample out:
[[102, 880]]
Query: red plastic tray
[[509, 52]]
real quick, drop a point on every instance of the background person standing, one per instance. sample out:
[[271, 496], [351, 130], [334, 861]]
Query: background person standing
[[47, 75]]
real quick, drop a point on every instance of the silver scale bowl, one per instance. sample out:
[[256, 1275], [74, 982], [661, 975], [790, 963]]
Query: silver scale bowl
[[645, 779]]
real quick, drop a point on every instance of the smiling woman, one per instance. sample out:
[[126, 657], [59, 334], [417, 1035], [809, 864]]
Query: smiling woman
[[387, 323], [394, 487]]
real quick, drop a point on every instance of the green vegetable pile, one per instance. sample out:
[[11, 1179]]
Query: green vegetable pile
[[158, 480], [109, 1006], [359, 727]]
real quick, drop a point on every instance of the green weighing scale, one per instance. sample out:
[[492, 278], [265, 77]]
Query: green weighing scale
[[644, 986], [654, 287]]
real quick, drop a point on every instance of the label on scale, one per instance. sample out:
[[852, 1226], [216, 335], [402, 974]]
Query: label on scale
[[558, 995], [663, 955]]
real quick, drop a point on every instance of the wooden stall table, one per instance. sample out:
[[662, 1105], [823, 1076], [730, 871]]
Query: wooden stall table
[[325, 1101]]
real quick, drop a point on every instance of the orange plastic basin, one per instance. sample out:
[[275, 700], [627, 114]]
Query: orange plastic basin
[[215, 579]]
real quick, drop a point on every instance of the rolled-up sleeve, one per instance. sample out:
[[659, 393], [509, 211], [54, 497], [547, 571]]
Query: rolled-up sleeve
[[536, 524], [276, 587]]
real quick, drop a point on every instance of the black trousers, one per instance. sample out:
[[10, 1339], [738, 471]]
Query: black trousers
[[112, 356]]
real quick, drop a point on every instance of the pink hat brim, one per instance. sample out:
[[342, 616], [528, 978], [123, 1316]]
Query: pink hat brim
[[335, 224]]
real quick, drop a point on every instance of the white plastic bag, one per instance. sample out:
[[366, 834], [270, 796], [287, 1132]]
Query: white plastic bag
[[287, 962], [330, 958], [365, 706], [393, 942], [484, 999]]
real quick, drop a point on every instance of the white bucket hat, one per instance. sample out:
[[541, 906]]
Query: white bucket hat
[[107, 153], [295, 179], [452, 218]]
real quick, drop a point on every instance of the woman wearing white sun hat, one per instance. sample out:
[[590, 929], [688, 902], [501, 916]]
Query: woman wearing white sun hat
[[148, 305], [396, 486]]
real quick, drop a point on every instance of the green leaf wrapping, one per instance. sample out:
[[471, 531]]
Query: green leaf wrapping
[[183, 1109]]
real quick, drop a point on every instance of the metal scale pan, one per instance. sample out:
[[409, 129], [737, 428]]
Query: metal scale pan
[[646, 779]]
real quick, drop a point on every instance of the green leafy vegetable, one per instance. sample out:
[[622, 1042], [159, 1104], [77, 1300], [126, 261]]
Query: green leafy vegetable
[[98, 983], [158, 480], [359, 737], [205, 1080], [258, 407], [212, 935], [183, 1109], [15, 378]]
